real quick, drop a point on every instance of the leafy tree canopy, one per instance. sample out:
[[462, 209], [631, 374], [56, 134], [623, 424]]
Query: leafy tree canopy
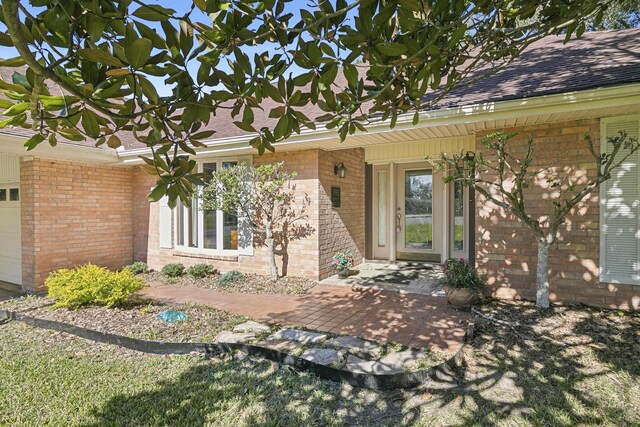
[[94, 66], [619, 15]]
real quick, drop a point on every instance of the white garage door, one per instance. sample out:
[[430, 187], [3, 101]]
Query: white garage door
[[10, 242]]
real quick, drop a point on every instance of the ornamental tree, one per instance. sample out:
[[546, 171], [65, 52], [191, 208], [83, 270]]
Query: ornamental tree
[[503, 174], [94, 67], [264, 198]]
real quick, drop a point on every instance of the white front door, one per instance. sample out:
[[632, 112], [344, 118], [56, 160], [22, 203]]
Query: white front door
[[10, 234], [418, 215]]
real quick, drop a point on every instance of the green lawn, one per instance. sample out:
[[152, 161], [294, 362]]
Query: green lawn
[[458, 233], [418, 234], [585, 371]]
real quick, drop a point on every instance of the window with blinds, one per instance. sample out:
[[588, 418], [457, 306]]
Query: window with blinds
[[620, 210]]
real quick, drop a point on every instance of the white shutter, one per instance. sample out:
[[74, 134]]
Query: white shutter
[[164, 223], [620, 210]]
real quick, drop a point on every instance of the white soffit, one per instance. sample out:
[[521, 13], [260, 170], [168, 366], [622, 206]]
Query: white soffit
[[12, 144]]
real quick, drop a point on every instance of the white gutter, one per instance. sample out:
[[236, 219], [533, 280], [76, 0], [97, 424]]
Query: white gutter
[[14, 144], [614, 96], [606, 97]]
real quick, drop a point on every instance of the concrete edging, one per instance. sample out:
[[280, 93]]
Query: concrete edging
[[362, 380]]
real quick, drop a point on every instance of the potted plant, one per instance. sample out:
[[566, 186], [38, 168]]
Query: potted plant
[[342, 262], [463, 284]]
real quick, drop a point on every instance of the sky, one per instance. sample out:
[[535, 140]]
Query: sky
[[181, 7]]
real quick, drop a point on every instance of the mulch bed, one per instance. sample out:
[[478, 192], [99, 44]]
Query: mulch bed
[[570, 329], [249, 284], [137, 319]]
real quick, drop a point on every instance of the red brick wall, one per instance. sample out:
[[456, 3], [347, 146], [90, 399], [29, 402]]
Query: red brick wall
[[301, 257], [506, 251], [143, 182], [344, 227], [73, 213], [332, 229]]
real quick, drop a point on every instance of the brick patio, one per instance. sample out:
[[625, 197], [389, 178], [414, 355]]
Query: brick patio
[[419, 321]]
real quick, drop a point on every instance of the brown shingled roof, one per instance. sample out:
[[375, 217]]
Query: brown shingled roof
[[597, 59]]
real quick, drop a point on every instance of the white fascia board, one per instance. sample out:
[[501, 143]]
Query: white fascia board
[[614, 96], [14, 144]]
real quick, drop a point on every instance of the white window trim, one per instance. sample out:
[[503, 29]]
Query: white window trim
[[603, 277], [219, 216]]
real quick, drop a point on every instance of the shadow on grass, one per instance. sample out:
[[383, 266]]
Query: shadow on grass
[[575, 367], [249, 393]]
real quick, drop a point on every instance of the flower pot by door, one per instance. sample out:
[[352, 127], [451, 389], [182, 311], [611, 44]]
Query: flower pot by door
[[344, 273], [461, 297]]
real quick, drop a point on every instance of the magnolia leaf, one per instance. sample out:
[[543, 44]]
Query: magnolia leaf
[[90, 123], [153, 12], [16, 109], [113, 142], [391, 49], [52, 103], [14, 121], [33, 141], [99, 56], [203, 135], [351, 73], [13, 62], [71, 134], [139, 53], [157, 193], [245, 126], [21, 79], [118, 72]]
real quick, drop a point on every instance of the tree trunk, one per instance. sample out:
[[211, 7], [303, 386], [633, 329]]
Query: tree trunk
[[271, 254], [542, 274]]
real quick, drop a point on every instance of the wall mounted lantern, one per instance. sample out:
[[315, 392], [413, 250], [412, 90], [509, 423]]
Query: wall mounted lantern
[[340, 170]]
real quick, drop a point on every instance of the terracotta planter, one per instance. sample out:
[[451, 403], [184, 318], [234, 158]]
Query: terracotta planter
[[462, 298], [344, 273]]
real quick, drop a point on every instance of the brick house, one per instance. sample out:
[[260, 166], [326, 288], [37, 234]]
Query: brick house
[[74, 204]]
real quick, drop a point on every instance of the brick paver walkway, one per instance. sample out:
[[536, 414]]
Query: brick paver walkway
[[419, 321]]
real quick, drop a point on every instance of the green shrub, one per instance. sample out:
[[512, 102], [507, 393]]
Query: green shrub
[[138, 267], [173, 270], [200, 271], [229, 277], [458, 273], [90, 284]]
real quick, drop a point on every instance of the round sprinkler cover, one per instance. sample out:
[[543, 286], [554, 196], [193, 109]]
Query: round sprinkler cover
[[172, 316]]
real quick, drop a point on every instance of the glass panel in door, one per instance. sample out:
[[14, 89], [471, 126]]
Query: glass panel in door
[[382, 208], [418, 209], [209, 217], [458, 216]]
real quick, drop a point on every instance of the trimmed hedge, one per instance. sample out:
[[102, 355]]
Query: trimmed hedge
[[90, 284]]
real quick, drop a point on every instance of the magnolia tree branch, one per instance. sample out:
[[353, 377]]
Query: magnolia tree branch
[[396, 58], [14, 27]]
